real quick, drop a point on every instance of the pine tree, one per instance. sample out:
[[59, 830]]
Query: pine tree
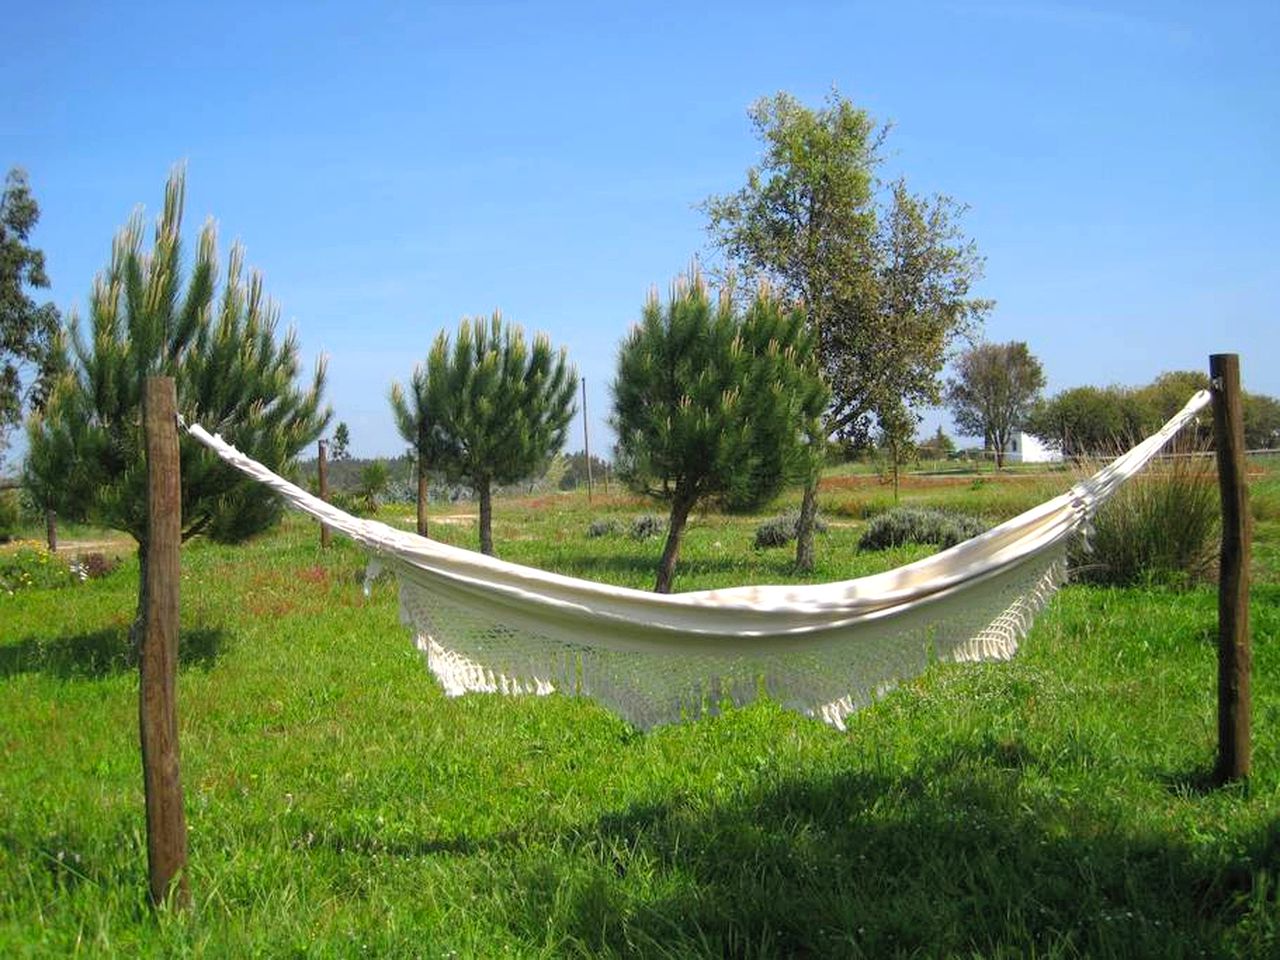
[[341, 442], [414, 421], [501, 407], [709, 403], [234, 376]]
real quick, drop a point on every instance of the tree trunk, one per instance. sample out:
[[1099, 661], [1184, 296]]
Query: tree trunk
[[138, 627], [51, 530], [804, 527], [486, 518], [680, 508], [423, 491]]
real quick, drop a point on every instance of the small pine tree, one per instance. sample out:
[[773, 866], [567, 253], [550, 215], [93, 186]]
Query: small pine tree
[[86, 451], [710, 403], [341, 442], [413, 419], [502, 407]]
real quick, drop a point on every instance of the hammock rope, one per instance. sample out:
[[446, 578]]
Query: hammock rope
[[824, 650]]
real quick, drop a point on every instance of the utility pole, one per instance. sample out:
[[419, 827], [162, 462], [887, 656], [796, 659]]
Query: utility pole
[[322, 466], [586, 438]]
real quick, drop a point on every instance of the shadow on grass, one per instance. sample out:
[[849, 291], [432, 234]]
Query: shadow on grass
[[101, 653], [945, 860]]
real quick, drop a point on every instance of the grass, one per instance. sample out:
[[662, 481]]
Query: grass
[[339, 805]]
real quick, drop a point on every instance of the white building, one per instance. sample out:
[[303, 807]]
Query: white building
[[1024, 448]]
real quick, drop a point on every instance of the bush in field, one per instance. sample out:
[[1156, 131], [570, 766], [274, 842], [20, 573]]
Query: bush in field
[[10, 514], [374, 480], [781, 530], [903, 525], [647, 525], [1161, 527], [604, 527], [351, 503], [32, 566]]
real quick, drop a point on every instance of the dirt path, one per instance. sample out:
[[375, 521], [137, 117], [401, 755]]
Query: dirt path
[[71, 548]]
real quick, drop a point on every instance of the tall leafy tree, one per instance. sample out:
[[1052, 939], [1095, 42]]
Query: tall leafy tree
[[709, 402], [1261, 421], [413, 418], [501, 407], [883, 275], [1090, 421], [31, 350], [234, 375], [994, 390], [1166, 394]]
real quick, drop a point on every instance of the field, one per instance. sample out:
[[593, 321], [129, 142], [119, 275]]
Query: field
[[340, 805]]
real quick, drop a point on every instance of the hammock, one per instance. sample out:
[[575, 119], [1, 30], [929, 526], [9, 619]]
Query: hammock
[[825, 650]]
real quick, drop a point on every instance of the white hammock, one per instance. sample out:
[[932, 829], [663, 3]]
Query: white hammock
[[825, 649]]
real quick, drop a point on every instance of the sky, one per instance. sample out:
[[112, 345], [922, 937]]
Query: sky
[[392, 168]]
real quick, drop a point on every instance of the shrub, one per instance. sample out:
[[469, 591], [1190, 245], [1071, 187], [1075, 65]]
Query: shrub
[[646, 526], [1161, 527], [32, 566], [10, 514], [93, 566], [351, 503], [604, 527], [780, 530], [903, 525]]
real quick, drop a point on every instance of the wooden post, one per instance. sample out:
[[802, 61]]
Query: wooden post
[[157, 693], [322, 465], [586, 438], [51, 530], [1234, 655]]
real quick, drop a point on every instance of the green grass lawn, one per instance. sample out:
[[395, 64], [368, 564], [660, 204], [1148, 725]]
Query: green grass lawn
[[340, 805]]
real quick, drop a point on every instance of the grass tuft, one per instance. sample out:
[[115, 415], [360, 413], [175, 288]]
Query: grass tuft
[[1161, 527]]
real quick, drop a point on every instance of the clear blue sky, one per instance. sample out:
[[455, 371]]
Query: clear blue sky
[[392, 168]]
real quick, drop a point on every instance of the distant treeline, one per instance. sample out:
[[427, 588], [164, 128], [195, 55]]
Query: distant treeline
[[354, 476]]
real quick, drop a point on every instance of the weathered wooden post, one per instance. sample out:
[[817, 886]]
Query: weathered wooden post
[[586, 437], [322, 465], [1234, 654], [157, 692]]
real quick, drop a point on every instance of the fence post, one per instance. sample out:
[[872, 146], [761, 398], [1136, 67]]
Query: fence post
[[158, 666], [322, 466], [1234, 654]]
